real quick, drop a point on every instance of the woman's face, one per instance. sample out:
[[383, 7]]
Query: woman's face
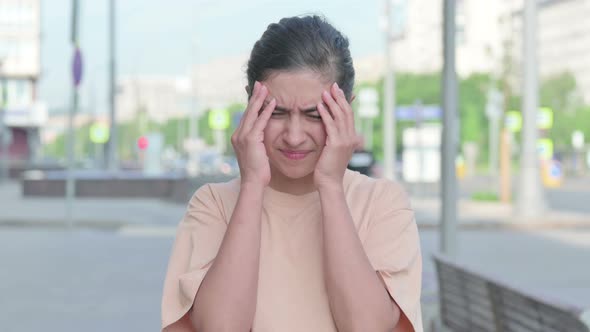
[[295, 136]]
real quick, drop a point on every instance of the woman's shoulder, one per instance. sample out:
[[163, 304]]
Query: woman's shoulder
[[375, 192], [218, 191], [361, 184]]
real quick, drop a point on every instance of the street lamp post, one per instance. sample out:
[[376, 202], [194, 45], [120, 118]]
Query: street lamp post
[[4, 165], [76, 79], [450, 137], [389, 104], [112, 158], [530, 201]]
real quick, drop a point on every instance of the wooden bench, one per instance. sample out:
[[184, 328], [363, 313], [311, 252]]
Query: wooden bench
[[470, 301]]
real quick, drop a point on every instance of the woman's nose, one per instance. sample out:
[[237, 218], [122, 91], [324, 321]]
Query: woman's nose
[[294, 132]]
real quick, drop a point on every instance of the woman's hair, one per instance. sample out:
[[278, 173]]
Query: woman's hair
[[302, 43]]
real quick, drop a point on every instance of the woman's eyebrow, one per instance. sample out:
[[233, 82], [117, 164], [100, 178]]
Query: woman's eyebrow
[[285, 109]]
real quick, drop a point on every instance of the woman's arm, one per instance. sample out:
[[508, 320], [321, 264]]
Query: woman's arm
[[358, 298], [226, 300]]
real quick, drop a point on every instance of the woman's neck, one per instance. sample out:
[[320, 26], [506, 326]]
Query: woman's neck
[[301, 186]]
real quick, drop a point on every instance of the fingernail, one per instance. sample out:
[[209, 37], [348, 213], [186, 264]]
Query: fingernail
[[336, 85]]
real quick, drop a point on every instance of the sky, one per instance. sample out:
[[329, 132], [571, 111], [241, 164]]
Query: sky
[[157, 37]]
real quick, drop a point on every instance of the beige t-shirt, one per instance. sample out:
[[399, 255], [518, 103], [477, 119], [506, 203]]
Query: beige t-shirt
[[291, 291]]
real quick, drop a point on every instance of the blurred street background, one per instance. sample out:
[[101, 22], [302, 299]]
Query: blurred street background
[[113, 113]]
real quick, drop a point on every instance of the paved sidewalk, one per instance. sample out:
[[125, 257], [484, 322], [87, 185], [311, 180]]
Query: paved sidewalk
[[16, 210], [474, 214], [486, 230]]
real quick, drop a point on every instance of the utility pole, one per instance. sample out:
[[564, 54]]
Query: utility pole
[[389, 104], [195, 114], [530, 201], [450, 135], [76, 79], [4, 164], [112, 157]]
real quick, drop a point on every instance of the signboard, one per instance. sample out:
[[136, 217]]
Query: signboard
[[368, 99], [421, 165], [418, 112], [34, 115], [421, 155], [153, 152], [495, 104], [578, 140], [428, 135]]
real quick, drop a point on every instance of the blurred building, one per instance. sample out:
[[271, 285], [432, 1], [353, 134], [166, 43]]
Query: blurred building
[[24, 114], [564, 41], [221, 82], [563, 34], [418, 25], [215, 84], [160, 97]]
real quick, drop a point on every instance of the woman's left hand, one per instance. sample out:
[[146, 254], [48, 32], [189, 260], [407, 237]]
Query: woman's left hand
[[341, 139]]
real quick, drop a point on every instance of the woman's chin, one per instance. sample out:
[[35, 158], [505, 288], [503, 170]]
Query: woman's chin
[[295, 173]]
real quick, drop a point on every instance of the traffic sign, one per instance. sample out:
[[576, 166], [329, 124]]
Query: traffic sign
[[552, 173], [545, 148], [495, 104], [545, 118], [99, 133], [77, 67], [143, 143], [219, 119], [513, 121]]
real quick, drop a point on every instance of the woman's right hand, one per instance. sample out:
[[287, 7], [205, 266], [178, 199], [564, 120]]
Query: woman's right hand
[[248, 139]]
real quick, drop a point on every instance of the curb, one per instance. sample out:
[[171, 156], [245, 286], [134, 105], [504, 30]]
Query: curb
[[60, 224], [503, 225], [116, 225]]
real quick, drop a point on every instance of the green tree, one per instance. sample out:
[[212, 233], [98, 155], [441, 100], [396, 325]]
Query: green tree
[[426, 89], [560, 93]]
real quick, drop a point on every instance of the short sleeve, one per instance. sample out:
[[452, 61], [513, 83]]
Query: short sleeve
[[197, 242], [393, 248]]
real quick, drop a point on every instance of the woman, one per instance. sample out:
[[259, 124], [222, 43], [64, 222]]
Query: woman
[[297, 242]]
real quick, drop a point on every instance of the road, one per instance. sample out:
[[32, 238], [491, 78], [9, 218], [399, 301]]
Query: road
[[93, 280]]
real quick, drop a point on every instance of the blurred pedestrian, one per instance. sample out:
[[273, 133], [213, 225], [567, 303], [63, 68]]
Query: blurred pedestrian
[[297, 242]]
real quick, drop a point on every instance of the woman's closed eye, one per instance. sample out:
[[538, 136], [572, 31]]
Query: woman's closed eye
[[278, 113], [314, 115]]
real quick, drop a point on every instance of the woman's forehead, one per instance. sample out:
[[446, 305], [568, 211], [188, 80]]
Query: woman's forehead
[[296, 90]]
